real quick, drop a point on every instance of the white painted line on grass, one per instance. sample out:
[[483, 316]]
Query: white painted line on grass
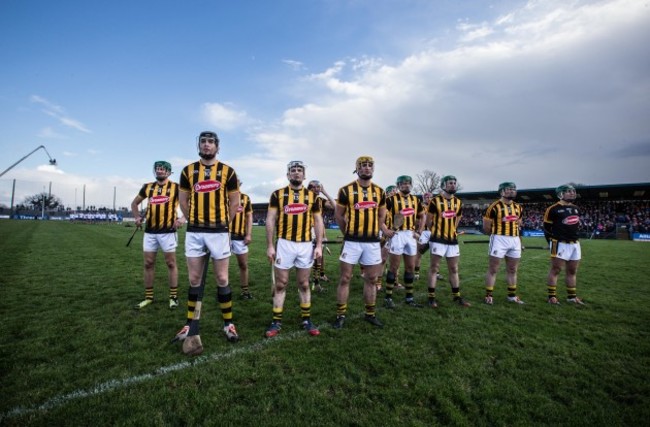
[[164, 370]]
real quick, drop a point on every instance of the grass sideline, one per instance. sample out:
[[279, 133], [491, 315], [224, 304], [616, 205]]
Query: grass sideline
[[75, 352]]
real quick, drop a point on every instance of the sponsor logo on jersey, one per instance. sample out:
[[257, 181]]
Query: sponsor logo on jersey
[[510, 218], [159, 200], [571, 220], [207, 186], [407, 212], [365, 205], [240, 209], [448, 214], [295, 209]]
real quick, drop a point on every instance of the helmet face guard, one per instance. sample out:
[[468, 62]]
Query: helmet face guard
[[363, 160], [559, 191], [505, 185], [404, 179], [404, 184], [161, 164], [211, 137], [292, 166], [443, 184], [445, 179], [296, 164]]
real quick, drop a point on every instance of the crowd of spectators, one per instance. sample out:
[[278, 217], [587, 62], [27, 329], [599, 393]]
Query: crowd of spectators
[[596, 217]]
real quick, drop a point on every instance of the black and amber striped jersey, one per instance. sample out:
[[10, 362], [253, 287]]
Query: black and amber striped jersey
[[361, 206], [162, 201], [505, 218], [562, 222], [389, 221], [445, 215], [408, 206], [295, 213], [238, 225], [209, 188]]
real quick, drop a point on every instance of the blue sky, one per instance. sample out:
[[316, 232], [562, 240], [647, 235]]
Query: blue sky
[[535, 92]]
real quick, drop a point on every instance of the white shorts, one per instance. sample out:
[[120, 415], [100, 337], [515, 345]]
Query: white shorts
[[293, 254], [154, 241], [403, 243], [217, 243], [501, 246], [424, 237], [238, 247], [364, 253], [567, 251], [444, 250]]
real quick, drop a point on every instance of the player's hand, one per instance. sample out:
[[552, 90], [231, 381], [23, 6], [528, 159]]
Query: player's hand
[[270, 254]]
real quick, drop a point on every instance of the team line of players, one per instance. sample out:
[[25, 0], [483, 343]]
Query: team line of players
[[377, 226]]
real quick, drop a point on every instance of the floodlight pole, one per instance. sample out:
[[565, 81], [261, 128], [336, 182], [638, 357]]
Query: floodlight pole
[[52, 161]]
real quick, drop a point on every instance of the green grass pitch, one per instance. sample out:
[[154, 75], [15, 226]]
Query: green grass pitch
[[75, 352]]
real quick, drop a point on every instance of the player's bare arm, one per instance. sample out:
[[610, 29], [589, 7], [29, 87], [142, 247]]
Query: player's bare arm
[[487, 226], [135, 209], [249, 228], [271, 219], [184, 203], [319, 229], [233, 204]]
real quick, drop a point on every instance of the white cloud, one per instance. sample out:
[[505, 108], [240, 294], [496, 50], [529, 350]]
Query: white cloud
[[58, 113], [72, 189], [49, 133], [544, 94], [222, 116], [49, 169], [294, 65]]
